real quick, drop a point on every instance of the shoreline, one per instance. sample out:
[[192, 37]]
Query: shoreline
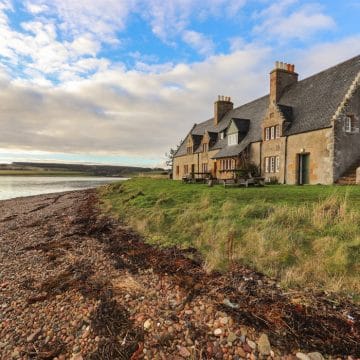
[[73, 282]]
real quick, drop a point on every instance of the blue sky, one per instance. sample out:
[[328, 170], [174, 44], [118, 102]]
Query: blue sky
[[122, 81]]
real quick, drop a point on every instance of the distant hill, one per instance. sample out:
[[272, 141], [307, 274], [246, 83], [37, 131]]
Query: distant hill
[[97, 170]]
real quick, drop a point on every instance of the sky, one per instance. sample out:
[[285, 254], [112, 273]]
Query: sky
[[123, 81]]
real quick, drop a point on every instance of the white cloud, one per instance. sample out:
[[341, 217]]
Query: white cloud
[[281, 23], [36, 8], [130, 113], [201, 43], [324, 55]]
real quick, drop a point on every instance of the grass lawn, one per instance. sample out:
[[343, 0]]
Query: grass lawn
[[307, 236]]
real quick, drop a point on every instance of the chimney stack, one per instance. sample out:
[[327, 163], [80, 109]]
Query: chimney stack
[[281, 77], [221, 107]]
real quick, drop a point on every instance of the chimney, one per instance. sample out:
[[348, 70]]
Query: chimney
[[282, 76], [221, 107]]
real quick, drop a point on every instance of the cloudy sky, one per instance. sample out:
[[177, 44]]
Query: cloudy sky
[[121, 81]]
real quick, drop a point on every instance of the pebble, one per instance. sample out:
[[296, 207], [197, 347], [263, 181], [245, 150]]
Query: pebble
[[315, 356], [184, 352], [264, 345], [218, 332], [231, 337], [147, 324], [302, 356], [34, 335], [251, 344]]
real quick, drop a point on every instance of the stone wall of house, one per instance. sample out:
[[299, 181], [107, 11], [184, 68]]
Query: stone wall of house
[[347, 145], [255, 153], [273, 147], [197, 160], [319, 145]]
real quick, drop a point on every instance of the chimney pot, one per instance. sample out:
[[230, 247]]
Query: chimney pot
[[279, 80]]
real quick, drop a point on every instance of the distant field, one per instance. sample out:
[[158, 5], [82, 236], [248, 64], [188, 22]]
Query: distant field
[[41, 173], [307, 236]]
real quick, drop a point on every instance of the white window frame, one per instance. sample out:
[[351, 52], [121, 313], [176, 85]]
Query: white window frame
[[272, 164], [233, 139], [267, 134], [277, 131], [350, 126], [267, 165], [272, 132], [222, 135], [277, 164]]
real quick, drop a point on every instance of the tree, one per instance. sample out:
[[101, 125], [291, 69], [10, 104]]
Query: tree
[[170, 156]]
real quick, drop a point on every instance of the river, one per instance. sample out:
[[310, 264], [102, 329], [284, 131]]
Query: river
[[16, 186]]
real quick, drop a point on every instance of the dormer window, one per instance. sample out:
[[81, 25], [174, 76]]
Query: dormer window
[[233, 139], [189, 149]]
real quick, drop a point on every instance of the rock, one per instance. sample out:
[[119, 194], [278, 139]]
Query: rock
[[218, 332], [76, 357], [246, 348], [315, 356], [264, 345], [224, 320], [34, 335], [241, 352], [302, 356], [231, 337], [15, 354], [184, 352], [147, 324], [251, 344]]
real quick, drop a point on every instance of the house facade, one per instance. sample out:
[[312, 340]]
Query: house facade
[[302, 132]]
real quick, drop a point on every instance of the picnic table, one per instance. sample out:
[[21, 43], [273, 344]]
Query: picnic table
[[255, 181], [196, 177]]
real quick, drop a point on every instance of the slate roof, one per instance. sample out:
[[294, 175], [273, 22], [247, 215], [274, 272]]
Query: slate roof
[[307, 105]]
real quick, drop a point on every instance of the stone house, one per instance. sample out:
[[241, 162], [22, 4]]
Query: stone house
[[303, 132]]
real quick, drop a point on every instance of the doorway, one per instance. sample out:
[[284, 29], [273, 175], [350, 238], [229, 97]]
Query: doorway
[[303, 169]]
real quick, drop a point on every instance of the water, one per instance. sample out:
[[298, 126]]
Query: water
[[16, 186]]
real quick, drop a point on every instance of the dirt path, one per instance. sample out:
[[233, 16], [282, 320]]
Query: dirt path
[[75, 284]]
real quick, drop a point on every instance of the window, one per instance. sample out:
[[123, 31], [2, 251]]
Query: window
[[267, 164], [205, 147], [189, 149], [272, 132], [272, 164], [186, 169], [177, 170], [222, 135], [267, 134], [277, 131], [277, 165], [233, 139], [204, 167], [350, 126]]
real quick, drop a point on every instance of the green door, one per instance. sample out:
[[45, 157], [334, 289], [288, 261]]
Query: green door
[[304, 169]]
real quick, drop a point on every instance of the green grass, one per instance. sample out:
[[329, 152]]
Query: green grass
[[307, 236]]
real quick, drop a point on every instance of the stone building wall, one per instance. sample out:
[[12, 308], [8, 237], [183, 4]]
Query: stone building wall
[[347, 145], [197, 159], [319, 145]]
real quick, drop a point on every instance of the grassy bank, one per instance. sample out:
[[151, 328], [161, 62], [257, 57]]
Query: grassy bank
[[308, 236]]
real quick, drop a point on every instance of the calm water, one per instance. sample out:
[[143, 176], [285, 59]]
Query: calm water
[[15, 186]]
